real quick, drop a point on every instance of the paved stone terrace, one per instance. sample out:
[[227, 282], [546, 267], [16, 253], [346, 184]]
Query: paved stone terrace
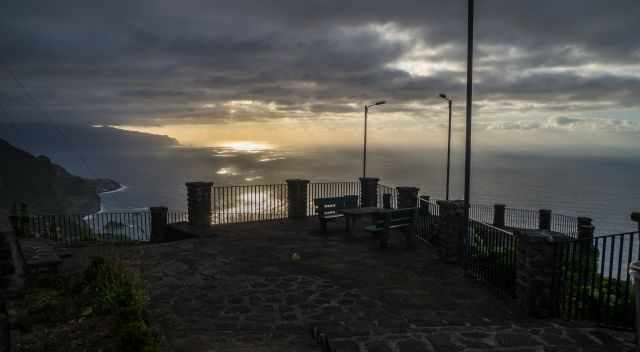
[[240, 291]]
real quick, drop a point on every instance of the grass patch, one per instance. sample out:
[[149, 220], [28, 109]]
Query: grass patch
[[103, 308]]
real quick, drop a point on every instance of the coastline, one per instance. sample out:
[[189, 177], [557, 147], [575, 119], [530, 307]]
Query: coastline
[[122, 188]]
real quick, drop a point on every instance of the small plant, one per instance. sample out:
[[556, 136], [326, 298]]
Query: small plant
[[116, 289], [120, 292]]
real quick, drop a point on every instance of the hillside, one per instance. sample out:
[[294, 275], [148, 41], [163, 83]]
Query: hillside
[[45, 186], [42, 137]]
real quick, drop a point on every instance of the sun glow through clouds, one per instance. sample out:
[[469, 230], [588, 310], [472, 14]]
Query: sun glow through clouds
[[247, 146]]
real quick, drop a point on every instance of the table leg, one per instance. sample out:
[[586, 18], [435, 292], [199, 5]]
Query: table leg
[[352, 226]]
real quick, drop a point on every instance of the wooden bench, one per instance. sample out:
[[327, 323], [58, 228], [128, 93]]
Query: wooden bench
[[399, 219], [39, 256], [327, 208]]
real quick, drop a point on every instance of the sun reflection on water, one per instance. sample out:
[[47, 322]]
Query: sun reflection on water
[[247, 146]]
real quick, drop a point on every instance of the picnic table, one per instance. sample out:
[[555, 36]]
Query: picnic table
[[352, 216]]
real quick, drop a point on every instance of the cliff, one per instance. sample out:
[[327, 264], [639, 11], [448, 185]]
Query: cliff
[[45, 186]]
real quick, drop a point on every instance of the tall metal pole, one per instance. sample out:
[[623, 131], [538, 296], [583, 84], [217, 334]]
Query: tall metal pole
[[467, 154], [449, 151], [364, 156]]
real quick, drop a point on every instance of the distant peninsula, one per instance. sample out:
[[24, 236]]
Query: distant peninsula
[[46, 187]]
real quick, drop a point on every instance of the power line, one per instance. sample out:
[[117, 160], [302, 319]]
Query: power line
[[65, 139]]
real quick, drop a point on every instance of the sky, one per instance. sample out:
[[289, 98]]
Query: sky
[[548, 74]]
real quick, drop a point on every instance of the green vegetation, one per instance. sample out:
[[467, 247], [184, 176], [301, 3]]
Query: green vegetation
[[588, 294], [493, 258], [104, 306]]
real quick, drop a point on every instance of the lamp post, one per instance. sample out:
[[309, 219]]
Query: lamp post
[[364, 154], [467, 151], [444, 96]]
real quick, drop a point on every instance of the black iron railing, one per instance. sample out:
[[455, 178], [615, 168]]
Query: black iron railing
[[592, 279], [174, 216], [387, 197], [519, 218], [247, 203], [103, 226], [565, 224], [490, 256], [330, 189], [481, 212]]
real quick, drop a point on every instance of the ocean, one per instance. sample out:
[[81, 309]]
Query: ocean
[[605, 188]]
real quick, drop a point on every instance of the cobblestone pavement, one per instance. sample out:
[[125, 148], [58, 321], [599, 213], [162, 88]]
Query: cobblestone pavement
[[240, 291]]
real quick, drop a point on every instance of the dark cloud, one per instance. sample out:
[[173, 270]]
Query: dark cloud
[[140, 61]]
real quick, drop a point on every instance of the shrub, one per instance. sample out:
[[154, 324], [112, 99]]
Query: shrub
[[116, 289]]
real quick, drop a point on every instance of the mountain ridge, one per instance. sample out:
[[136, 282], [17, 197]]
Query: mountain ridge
[[46, 187]]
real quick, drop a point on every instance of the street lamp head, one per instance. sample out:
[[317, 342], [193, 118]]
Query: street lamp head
[[380, 102], [443, 96]]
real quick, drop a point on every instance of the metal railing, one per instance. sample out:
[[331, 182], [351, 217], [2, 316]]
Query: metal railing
[[490, 256], [104, 226], [481, 212], [518, 218], [387, 196], [330, 189], [592, 280], [565, 224], [251, 203], [174, 216], [247, 203]]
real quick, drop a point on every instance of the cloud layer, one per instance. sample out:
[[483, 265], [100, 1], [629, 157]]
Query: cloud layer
[[154, 62]]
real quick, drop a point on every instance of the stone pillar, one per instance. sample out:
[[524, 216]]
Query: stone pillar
[[297, 198], [199, 203], [544, 219], [585, 232], [452, 230], [158, 223], [585, 228], [407, 197], [369, 191], [386, 200], [635, 216], [535, 266], [498, 215]]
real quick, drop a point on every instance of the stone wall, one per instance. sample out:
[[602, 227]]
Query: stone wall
[[451, 230], [158, 223], [369, 191], [297, 198], [199, 203], [407, 197], [535, 266]]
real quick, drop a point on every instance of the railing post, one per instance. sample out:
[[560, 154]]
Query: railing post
[[544, 219], [585, 228], [297, 198], [535, 269], [199, 203], [407, 197], [498, 215], [635, 216], [386, 200], [158, 223], [452, 230], [369, 191]]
